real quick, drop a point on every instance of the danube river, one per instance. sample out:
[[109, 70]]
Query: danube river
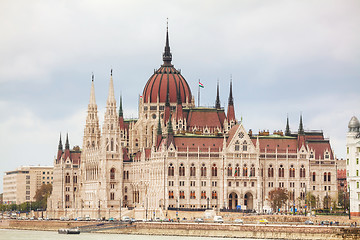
[[6, 234]]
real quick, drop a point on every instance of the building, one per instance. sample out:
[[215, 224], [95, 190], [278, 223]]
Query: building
[[352, 165], [21, 184], [178, 156]]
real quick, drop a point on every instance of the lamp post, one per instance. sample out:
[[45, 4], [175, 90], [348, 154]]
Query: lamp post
[[208, 202], [99, 209], [349, 202], [120, 209], [305, 198]]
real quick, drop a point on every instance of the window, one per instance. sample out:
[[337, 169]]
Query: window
[[181, 195], [214, 184], [292, 171], [245, 171], [244, 146], [203, 183], [237, 170], [192, 170], [357, 184], [270, 171], [281, 184], [213, 195], [203, 170], [182, 183], [302, 171], [347, 161], [171, 194], [192, 195], [329, 177], [314, 188], [75, 179], [192, 183], [112, 196], [214, 171], [229, 184], [357, 160], [171, 183], [325, 176], [229, 171], [245, 184], [313, 176], [112, 174], [203, 194], [357, 173], [171, 170], [252, 184], [237, 146], [281, 171], [182, 170], [67, 178], [252, 171], [67, 198]]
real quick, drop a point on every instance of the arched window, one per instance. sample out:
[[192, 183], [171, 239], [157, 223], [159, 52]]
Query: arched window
[[302, 171], [112, 174], [237, 170], [229, 171], [281, 171], [203, 170], [181, 195], [112, 196], [181, 170], [325, 176], [314, 176], [270, 171], [125, 189], [74, 179], [171, 170], [329, 177], [292, 171], [67, 178], [252, 171], [245, 171], [192, 170], [237, 146], [244, 146], [214, 195], [214, 171]]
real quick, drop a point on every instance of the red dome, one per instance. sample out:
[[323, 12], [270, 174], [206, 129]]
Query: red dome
[[158, 84]]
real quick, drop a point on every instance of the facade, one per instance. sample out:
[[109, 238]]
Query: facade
[[352, 165], [21, 184], [178, 156]]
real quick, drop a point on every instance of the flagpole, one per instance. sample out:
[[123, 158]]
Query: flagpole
[[199, 93]]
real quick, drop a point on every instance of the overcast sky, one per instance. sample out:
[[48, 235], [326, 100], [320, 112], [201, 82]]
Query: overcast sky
[[285, 57]]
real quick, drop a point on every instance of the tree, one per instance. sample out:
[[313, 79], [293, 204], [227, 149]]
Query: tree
[[42, 195], [278, 198], [310, 200]]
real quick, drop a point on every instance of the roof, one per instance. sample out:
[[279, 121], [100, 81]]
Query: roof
[[195, 143], [205, 117]]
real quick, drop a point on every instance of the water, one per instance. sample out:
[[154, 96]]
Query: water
[[6, 234]]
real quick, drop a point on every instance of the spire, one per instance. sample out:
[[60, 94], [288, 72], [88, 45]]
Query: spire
[[170, 134], [170, 128], [167, 57], [120, 108], [167, 105], [217, 102], [178, 94], [92, 91], [159, 130], [231, 100], [159, 134], [111, 96], [67, 145], [287, 130], [301, 127], [60, 144]]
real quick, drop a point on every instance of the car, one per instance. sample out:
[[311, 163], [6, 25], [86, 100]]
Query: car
[[199, 220], [264, 221], [309, 222], [218, 219], [327, 223], [40, 219], [126, 219], [239, 221], [64, 219], [111, 219]]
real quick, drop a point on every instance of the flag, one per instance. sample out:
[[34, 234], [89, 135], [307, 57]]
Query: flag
[[201, 85]]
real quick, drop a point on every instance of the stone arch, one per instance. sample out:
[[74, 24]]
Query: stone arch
[[233, 200], [249, 200]]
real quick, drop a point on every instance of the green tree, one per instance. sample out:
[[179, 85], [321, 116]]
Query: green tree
[[278, 198], [42, 195], [310, 200]]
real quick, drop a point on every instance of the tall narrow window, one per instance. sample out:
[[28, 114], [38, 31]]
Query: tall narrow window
[[245, 171], [171, 170], [192, 170], [214, 171], [229, 171], [281, 171], [314, 176], [329, 177], [325, 176], [237, 170], [181, 170], [112, 174], [252, 171], [203, 170]]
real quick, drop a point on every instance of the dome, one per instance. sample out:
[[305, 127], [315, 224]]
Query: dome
[[354, 123], [165, 79]]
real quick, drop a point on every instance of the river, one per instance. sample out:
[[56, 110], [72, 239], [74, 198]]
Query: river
[[6, 234]]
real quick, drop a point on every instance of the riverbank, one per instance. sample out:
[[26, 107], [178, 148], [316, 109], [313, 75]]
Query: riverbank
[[202, 230]]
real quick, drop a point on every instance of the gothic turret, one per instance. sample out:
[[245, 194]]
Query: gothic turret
[[167, 106], [167, 56], [230, 110], [159, 134], [217, 102], [301, 127], [170, 133], [287, 130], [121, 115], [179, 110]]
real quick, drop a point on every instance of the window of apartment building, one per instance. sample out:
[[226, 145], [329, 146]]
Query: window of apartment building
[[27, 192], [214, 184], [357, 160], [67, 178], [244, 146], [112, 185], [357, 184], [112, 174], [237, 170], [182, 183], [67, 189], [237, 146], [325, 188], [27, 176], [192, 183], [27, 197], [347, 161], [74, 179], [329, 176], [192, 195], [67, 198]]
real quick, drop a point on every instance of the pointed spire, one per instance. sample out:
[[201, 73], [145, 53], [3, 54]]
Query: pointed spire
[[111, 96], [120, 108], [67, 145], [217, 102], [159, 130], [287, 130], [60, 144], [92, 91], [170, 128], [167, 57], [231, 100], [179, 94], [301, 127]]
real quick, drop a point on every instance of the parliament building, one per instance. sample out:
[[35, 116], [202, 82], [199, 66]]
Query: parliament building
[[177, 156]]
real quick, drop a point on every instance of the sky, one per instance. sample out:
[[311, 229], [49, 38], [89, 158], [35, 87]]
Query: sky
[[285, 58]]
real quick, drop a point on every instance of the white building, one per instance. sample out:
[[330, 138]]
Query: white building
[[353, 165]]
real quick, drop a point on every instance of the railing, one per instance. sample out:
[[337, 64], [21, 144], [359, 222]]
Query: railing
[[238, 210], [189, 209]]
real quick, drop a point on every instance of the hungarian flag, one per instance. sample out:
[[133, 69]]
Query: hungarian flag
[[201, 85]]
